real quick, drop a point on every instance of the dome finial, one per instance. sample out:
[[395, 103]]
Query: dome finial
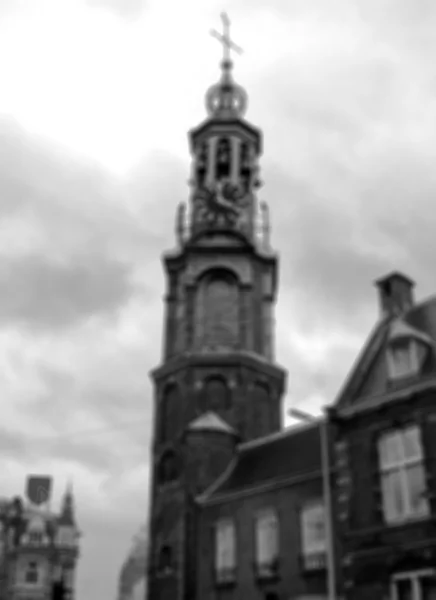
[[226, 99]]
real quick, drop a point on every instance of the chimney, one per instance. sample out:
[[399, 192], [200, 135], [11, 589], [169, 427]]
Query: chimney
[[395, 294]]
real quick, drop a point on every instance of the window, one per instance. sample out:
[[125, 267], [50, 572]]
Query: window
[[165, 564], [403, 359], [313, 535], [225, 551], [217, 318], [168, 470], [267, 543], [402, 475], [217, 394], [169, 413], [420, 585], [31, 573]]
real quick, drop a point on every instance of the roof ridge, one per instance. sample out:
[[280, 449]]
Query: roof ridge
[[278, 435]]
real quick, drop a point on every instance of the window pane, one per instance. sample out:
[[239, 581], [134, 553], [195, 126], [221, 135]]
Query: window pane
[[402, 361], [404, 589], [390, 450], [313, 529], [415, 477], [428, 587], [225, 545], [393, 495], [266, 537], [411, 443]]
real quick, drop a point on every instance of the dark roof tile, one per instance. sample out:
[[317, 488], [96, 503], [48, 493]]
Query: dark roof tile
[[276, 457]]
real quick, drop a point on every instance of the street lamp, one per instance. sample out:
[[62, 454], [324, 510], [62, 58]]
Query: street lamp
[[327, 492]]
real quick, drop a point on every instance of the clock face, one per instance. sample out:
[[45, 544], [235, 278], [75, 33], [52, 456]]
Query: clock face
[[221, 204]]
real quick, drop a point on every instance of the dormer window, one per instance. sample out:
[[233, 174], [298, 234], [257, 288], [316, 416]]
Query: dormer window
[[402, 361], [407, 350]]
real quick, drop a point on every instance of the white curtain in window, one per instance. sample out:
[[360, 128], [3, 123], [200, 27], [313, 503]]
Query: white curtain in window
[[313, 528], [403, 474], [266, 537], [393, 495], [403, 361], [225, 545]]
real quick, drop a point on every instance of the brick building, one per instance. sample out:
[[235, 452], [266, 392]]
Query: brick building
[[236, 502], [385, 447]]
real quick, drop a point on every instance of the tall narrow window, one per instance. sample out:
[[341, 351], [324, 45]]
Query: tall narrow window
[[261, 409], [165, 562], [217, 394], [168, 470], [267, 542], [403, 475], [217, 312], [170, 413], [313, 535], [225, 551]]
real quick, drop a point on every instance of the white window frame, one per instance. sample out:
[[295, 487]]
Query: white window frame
[[225, 561], [266, 518], [408, 348], [414, 577], [401, 466]]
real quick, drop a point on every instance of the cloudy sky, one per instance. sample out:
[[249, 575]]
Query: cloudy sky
[[96, 97]]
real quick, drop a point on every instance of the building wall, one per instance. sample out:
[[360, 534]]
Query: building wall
[[372, 550], [293, 581]]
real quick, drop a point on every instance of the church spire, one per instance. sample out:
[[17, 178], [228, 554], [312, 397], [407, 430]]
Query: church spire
[[225, 152], [67, 516]]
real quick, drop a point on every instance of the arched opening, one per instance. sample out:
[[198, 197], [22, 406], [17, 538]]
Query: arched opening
[[170, 413], [165, 560], [223, 158], [217, 394], [168, 467], [261, 408], [217, 323]]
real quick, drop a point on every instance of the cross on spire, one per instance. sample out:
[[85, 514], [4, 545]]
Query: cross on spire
[[226, 41]]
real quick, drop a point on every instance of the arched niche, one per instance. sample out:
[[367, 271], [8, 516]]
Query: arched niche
[[217, 320], [217, 393], [261, 407], [170, 412], [168, 469], [165, 559], [223, 158]]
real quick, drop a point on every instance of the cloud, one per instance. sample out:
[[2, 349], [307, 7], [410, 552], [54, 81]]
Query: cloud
[[39, 295], [123, 8]]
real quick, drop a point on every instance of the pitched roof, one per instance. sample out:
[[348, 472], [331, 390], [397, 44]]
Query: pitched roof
[[210, 421], [363, 379], [274, 458]]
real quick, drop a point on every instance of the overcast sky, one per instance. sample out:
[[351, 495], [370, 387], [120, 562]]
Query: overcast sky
[[96, 97]]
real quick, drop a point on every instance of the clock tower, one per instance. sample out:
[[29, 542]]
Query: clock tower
[[218, 371]]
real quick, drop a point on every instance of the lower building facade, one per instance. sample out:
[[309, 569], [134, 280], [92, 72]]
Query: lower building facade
[[39, 547]]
